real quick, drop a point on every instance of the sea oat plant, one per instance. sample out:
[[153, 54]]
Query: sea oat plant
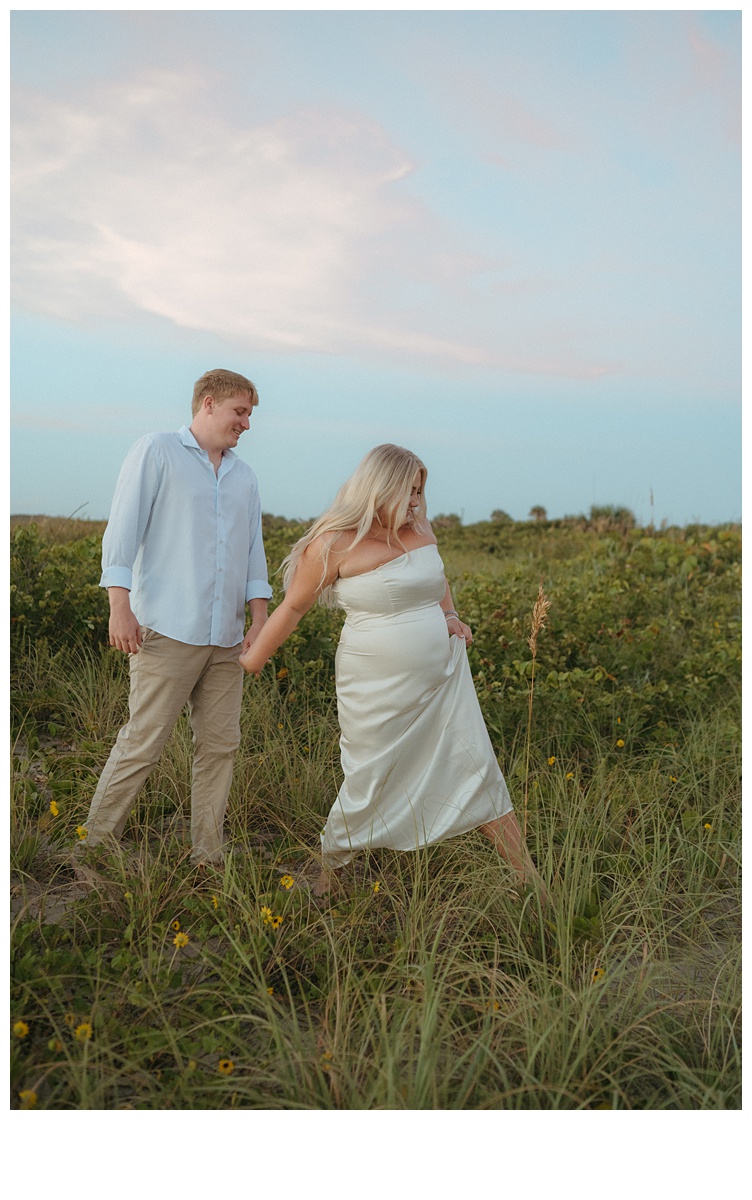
[[537, 625]]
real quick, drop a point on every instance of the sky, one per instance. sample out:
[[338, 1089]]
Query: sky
[[509, 240]]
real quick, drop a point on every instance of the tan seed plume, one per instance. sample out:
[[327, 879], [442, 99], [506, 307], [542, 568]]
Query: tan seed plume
[[538, 619], [537, 624]]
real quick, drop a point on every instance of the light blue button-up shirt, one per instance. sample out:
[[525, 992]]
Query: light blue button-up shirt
[[185, 541]]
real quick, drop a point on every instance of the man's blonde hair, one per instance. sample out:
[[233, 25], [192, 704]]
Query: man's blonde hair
[[380, 488], [220, 384]]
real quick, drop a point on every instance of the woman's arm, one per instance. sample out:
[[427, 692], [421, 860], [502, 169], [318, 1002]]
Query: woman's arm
[[306, 585], [454, 624]]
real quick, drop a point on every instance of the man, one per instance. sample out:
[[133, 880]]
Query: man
[[181, 556]]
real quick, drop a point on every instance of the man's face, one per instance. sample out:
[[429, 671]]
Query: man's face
[[230, 417]]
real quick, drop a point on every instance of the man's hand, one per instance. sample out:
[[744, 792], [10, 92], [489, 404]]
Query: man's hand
[[125, 631], [250, 638]]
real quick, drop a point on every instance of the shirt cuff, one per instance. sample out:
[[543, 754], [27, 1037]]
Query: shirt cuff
[[257, 589], [117, 577]]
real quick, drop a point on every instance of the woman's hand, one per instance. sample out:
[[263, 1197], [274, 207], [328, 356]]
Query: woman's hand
[[458, 628]]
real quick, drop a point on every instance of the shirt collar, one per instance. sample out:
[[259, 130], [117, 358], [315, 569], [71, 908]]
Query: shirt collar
[[189, 440]]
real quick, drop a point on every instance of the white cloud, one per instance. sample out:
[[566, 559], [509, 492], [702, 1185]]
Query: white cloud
[[289, 234]]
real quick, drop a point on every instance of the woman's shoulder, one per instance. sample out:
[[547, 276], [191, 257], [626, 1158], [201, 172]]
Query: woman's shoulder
[[340, 541], [427, 532], [329, 542]]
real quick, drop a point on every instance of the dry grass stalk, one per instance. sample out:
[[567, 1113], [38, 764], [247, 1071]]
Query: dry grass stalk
[[537, 625], [538, 619]]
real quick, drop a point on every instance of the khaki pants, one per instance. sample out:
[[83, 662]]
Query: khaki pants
[[165, 676]]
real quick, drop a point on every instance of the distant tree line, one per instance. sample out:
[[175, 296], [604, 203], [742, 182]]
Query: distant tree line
[[603, 518]]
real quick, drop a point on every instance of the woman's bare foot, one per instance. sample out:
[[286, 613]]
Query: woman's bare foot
[[532, 880], [323, 885], [506, 835]]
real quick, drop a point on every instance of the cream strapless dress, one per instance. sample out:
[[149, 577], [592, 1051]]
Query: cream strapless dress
[[418, 763]]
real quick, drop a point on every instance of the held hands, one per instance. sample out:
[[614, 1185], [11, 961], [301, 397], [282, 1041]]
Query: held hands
[[251, 661]]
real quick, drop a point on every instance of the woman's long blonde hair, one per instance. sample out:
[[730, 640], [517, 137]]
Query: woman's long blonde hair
[[379, 489]]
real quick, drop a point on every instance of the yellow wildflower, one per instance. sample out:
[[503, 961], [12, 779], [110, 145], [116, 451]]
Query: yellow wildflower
[[70, 1019], [55, 1045], [287, 881], [176, 926], [326, 1060], [225, 1066], [127, 896], [282, 673], [673, 779], [270, 990], [598, 973], [552, 760], [180, 940], [28, 1098], [707, 826], [377, 887], [82, 832], [21, 1029], [280, 726], [84, 1031], [620, 742], [570, 774], [266, 913], [276, 922], [618, 720], [54, 808], [215, 901]]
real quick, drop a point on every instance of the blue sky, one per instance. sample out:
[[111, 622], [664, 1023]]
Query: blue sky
[[507, 240]]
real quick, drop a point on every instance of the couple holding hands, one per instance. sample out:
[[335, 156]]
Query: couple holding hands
[[183, 555]]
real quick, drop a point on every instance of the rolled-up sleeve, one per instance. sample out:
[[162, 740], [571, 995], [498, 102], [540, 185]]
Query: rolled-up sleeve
[[135, 493], [257, 579]]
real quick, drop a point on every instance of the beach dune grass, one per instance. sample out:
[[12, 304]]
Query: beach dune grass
[[428, 981]]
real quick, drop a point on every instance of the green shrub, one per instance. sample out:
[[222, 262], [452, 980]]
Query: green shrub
[[54, 590]]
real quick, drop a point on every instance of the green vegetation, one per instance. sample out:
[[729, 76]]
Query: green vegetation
[[428, 982]]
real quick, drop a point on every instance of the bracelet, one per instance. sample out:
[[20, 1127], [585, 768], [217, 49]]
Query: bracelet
[[451, 613]]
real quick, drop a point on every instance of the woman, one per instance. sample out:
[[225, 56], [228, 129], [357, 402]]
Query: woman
[[418, 763]]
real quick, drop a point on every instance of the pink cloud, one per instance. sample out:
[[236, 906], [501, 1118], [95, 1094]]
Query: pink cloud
[[504, 118], [288, 234], [714, 73]]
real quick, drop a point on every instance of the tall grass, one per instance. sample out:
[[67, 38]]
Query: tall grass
[[427, 984]]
